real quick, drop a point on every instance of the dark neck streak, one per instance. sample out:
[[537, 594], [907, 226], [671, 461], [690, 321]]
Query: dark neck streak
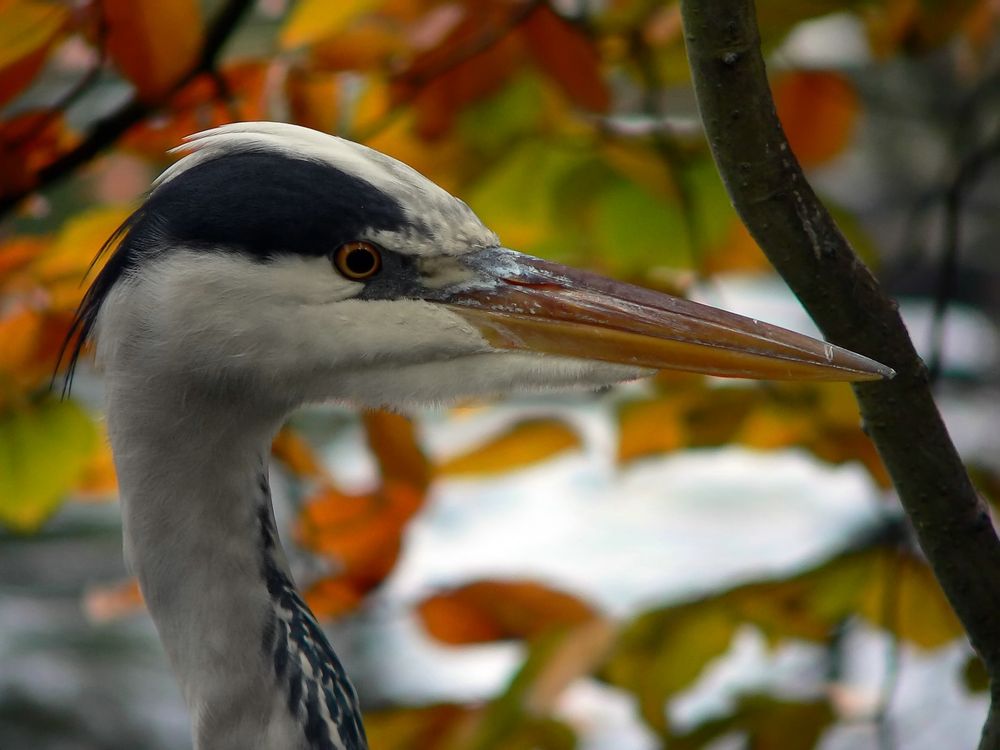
[[320, 695]]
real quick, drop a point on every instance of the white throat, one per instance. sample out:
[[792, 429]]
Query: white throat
[[255, 669]]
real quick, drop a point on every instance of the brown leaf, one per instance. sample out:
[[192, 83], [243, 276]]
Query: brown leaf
[[524, 444], [485, 611], [153, 43], [567, 55]]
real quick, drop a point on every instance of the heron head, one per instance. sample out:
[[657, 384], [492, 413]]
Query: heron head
[[278, 262]]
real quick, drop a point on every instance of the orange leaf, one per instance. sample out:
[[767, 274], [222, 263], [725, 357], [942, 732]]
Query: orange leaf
[[27, 32], [29, 142], [19, 330], [314, 99], [99, 480], [297, 455], [153, 43], [113, 601], [199, 106], [370, 46], [568, 56], [485, 611], [394, 443], [474, 60], [524, 444], [360, 533], [649, 427], [818, 111]]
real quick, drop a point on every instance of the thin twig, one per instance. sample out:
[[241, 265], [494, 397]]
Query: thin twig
[[967, 174]]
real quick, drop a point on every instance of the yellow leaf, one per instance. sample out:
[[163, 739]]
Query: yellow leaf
[[27, 30], [61, 268], [524, 444], [913, 607], [44, 449], [649, 427], [313, 20], [154, 43]]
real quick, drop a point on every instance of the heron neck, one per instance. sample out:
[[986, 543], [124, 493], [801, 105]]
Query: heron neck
[[254, 667]]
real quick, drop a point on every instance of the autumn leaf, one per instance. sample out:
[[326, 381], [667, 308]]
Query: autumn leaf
[[313, 20], [394, 444], [44, 449], [485, 611], [294, 451], [904, 597], [153, 43], [524, 444], [28, 30], [818, 111], [661, 652], [520, 718], [111, 602], [768, 723], [565, 53], [427, 727]]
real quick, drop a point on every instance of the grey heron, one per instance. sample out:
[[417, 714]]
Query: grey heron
[[274, 266]]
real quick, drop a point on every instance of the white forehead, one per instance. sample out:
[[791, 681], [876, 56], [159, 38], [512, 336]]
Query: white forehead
[[451, 226]]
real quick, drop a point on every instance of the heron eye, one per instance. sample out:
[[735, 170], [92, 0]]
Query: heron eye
[[358, 260]]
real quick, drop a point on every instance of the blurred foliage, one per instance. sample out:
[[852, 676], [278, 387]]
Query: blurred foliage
[[554, 121]]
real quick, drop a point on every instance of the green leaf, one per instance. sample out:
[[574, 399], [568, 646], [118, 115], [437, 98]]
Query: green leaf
[[975, 676], [662, 652], [44, 450], [636, 229], [768, 723]]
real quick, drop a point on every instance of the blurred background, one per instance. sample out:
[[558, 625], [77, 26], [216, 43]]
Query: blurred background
[[680, 563]]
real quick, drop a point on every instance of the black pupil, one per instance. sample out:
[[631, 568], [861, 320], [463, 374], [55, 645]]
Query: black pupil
[[360, 261]]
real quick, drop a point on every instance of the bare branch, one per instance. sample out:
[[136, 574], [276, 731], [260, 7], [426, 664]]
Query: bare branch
[[771, 194]]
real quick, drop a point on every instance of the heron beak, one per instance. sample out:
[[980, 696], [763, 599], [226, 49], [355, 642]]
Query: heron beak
[[531, 304]]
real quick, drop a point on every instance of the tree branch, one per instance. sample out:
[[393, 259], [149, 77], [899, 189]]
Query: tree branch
[[106, 131], [770, 192]]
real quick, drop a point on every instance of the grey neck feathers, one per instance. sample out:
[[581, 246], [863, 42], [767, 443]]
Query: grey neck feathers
[[255, 668]]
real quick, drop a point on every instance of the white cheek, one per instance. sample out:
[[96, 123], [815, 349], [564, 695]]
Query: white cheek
[[480, 376], [289, 324]]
